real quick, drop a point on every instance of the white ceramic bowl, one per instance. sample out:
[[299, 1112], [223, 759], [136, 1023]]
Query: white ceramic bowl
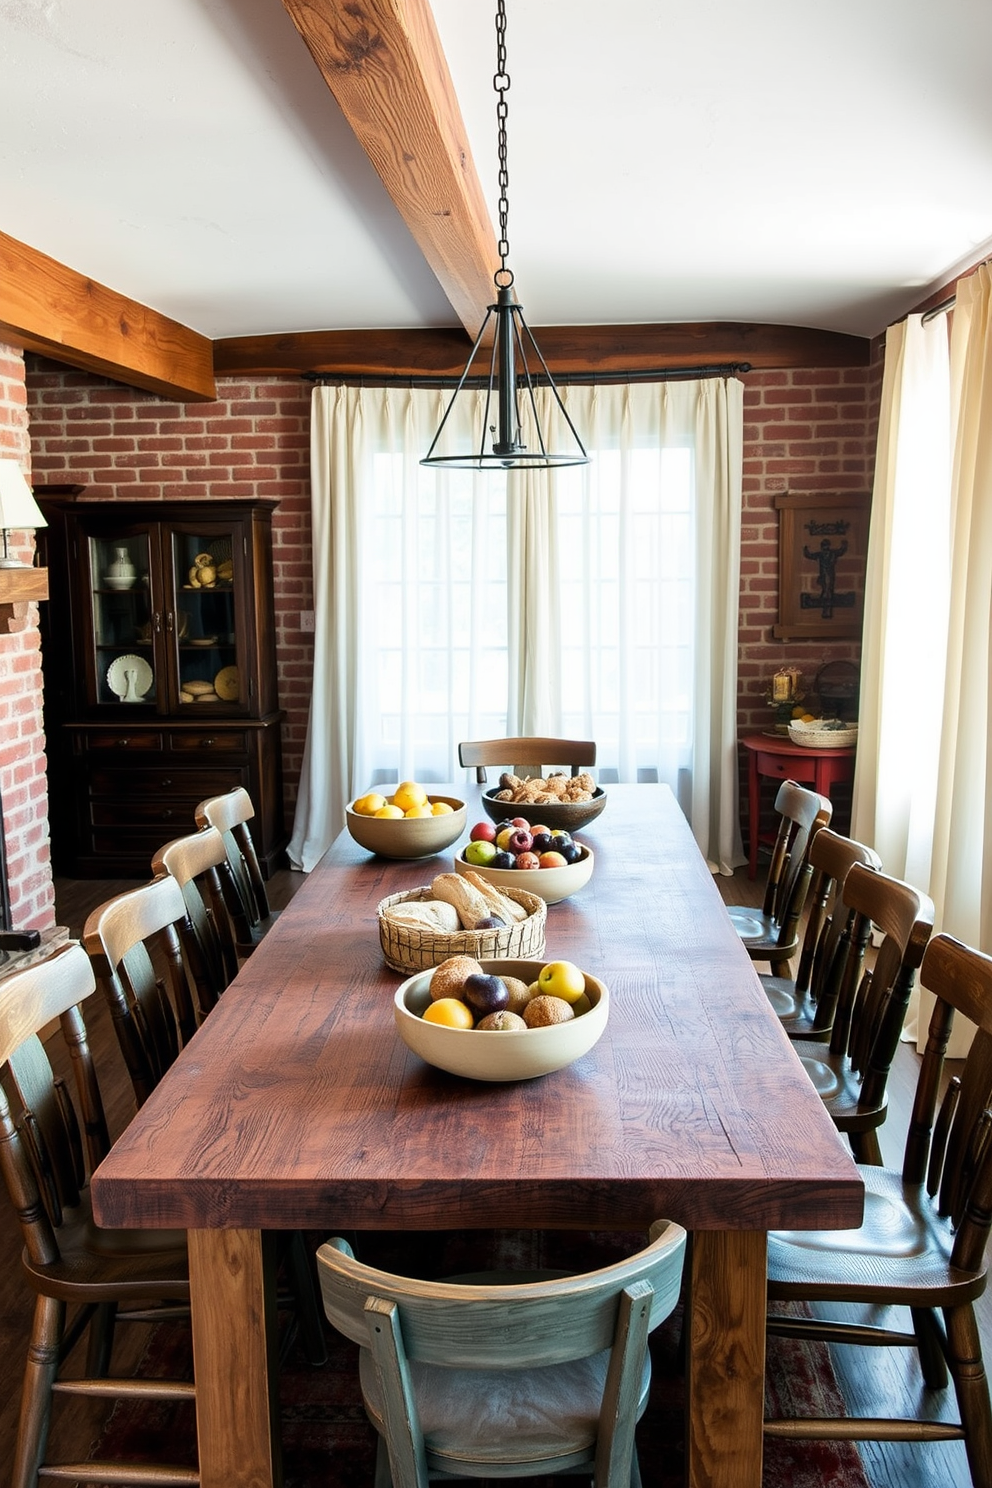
[[409, 837], [522, 1054], [552, 884]]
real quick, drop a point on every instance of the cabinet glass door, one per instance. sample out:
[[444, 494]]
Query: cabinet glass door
[[123, 620], [205, 619]]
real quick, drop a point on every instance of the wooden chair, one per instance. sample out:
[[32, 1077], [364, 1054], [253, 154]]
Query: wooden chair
[[448, 1367], [199, 865], [803, 1012], [922, 1244], [531, 755], [851, 1072], [135, 943], [772, 933], [230, 814], [117, 938], [98, 1276]]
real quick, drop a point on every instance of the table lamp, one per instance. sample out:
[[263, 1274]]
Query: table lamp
[[18, 509]]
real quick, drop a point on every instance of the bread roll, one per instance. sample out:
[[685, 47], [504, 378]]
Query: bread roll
[[425, 914]]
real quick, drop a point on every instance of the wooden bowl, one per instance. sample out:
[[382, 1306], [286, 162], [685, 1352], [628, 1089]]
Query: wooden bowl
[[566, 816], [409, 837], [518, 1055], [552, 884]]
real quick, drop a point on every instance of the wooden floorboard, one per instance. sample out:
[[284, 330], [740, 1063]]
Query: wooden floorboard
[[874, 1380]]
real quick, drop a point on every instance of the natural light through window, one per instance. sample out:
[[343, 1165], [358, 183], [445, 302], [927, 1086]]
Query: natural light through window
[[626, 543]]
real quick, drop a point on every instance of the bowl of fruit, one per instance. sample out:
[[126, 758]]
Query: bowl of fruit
[[501, 1020], [407, 824], [518, 854], [561, 801]]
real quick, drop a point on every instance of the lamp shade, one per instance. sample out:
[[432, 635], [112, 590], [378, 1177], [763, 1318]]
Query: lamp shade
[[18, 509]]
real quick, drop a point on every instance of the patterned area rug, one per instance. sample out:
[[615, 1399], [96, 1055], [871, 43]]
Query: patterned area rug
[[328, 1443]]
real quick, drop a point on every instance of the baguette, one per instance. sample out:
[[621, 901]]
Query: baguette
[[507, 909], [470, 904]]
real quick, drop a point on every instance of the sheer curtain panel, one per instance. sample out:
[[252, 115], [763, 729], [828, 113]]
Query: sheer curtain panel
[[600, 601]]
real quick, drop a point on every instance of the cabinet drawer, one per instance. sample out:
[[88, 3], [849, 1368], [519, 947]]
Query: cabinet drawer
[[129, 786], [789, 767], [225, 741], [131, 741]]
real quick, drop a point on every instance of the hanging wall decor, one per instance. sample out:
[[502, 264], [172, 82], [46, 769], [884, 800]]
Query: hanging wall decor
[[823, 544]]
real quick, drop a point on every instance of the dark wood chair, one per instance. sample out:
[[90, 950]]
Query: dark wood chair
[[526, 756], [230, 814], [199, 864], [505, 1375], [772, 933], [119, 937], [923, 1241], [805, 1004], [85, 1279], [135, 943], [851, 1071]]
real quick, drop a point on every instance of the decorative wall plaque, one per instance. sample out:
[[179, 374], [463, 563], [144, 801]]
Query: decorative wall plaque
[[822, 547]]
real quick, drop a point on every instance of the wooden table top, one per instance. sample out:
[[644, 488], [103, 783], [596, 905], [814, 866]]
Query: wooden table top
[[297, 1105]]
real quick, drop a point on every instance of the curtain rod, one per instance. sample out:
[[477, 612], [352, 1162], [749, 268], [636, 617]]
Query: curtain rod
[[660, 374], [940, 309]]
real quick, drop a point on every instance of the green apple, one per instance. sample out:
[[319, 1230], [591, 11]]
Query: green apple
[[562, 979], [479, 853]]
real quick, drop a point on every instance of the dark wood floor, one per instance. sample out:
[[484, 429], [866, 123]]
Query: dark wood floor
[[889, 1384]]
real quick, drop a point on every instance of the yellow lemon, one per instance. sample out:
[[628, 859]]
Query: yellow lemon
[[799, 711], [408, 793], [441, 808], [369, 804], [809, 718], [392, 813], [450, 1013], [562, 979], [419, 811]]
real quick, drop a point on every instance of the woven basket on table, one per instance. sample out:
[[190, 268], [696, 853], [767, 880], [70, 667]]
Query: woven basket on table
[[813, 737], [410, 948]]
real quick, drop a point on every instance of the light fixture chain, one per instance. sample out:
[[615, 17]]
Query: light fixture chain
[[501, 84]]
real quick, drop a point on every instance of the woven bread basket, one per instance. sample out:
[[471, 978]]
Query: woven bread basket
[[410, 948]]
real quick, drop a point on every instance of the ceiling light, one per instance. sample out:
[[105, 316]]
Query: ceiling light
[[510, 386]]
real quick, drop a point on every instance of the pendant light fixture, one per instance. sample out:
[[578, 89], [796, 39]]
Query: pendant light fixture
[[510, 396]]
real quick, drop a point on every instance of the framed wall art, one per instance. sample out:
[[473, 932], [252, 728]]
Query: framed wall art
[[823, 544]]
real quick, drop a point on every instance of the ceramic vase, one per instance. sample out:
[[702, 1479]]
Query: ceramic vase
[[122, 573]]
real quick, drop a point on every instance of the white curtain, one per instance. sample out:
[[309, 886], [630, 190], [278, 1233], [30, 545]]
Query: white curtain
[[921, 790], [442, 606]]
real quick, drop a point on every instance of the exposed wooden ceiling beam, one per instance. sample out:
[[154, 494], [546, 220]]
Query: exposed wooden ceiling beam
[[383, 62], [49, 308], [575, 349]]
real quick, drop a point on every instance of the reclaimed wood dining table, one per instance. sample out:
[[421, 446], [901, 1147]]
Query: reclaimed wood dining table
[[296, 1106]]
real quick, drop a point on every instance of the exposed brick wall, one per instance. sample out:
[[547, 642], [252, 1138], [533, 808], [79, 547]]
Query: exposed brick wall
[[23, 767], [805, 430], [254, 440]]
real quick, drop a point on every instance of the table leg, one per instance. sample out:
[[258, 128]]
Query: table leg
[[753, 813], [232, 1295], [725, 1368]]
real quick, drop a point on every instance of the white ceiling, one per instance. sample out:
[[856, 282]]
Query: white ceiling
[[789, 161]]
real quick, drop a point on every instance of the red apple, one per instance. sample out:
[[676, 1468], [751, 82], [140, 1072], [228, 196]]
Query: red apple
[[483, 832], [521, 822], [551, 860], [527, 860]]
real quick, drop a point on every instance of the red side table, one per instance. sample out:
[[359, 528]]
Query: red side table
[[779, 758]]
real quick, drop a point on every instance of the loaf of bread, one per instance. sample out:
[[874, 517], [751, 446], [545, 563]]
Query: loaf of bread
[[425, 914], [467, 900], [500, 904]]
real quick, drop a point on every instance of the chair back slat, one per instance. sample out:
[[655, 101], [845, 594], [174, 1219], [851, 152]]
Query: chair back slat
[[230, 814], [501, 1326], [831, 856], [41, 1132], [524, 755], [134, 944], [802, 813], [198, 863]]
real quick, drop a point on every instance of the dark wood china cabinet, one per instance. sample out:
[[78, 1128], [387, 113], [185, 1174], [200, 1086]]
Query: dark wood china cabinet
[[159, 661]]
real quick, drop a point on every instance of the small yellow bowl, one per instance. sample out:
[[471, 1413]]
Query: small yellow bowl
[[409, 837], [521, 1054]]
